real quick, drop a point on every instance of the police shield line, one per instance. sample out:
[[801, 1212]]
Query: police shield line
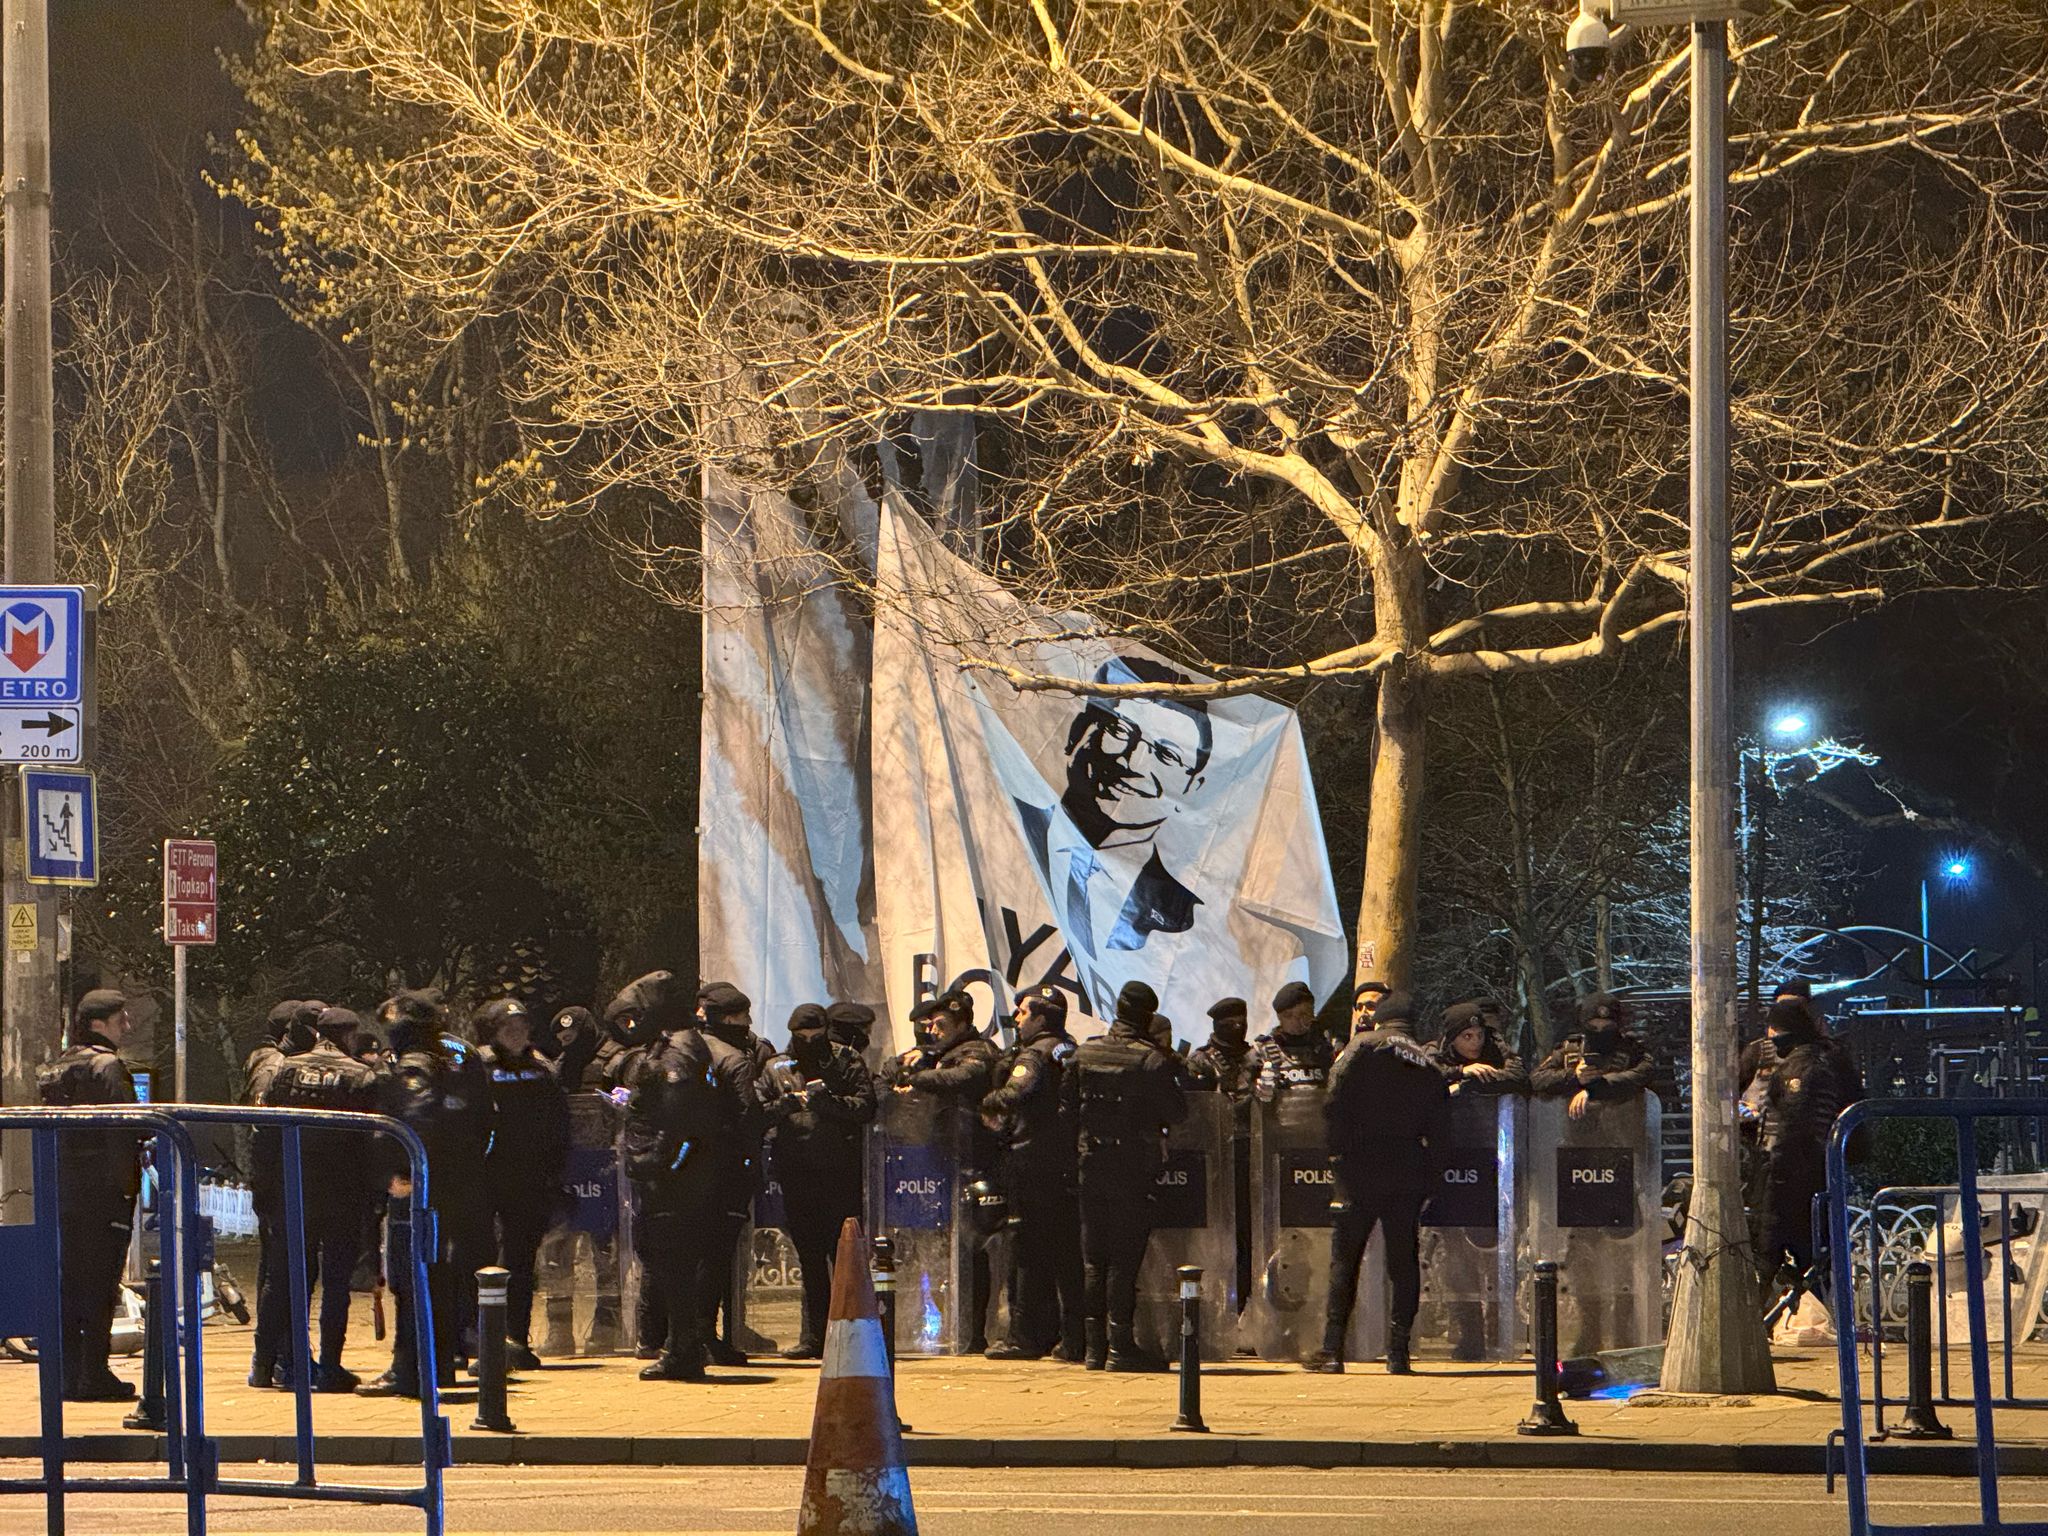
[[1352, 1198]]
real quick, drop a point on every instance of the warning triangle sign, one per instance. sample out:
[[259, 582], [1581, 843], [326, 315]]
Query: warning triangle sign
[[21, 926]]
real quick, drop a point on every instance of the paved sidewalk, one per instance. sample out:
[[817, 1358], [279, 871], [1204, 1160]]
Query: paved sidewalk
[[980, 1412]]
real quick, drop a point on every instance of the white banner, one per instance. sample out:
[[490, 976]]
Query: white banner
[[783, 896], [1048, 837]]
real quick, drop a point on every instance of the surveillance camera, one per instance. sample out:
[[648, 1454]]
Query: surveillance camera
[[1586, 46]]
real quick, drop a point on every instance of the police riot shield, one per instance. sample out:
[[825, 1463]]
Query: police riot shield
[[1292, 1187], [581, 1272], [914, 1197], [1595, 1207], [1471, 1233], [1194, 1221], [768, 1289]]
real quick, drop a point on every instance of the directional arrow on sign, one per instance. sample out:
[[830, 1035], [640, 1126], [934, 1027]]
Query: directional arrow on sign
[[49, 725]]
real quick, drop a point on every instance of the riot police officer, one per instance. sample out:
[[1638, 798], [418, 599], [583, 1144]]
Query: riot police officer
[[1026, 1112], [1295, 1057], [1386, 1105], [287, 1029], [850, 1025], [1122, 1094], [953, 1063], [98, 1173], [1473, 1057], [727, 1013], [1793, 1083], [523, 1167], [336, 1187], [630, 1032], [436, 1085], [683, 1147], [818, 1095], [1228, 1064], [1600, 1063], [573, 1041]]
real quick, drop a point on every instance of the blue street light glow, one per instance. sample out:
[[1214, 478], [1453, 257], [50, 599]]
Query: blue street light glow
[[1956, 868], [1791, 724]]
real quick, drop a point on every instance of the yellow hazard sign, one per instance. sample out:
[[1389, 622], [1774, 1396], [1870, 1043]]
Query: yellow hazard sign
[[21, 926]]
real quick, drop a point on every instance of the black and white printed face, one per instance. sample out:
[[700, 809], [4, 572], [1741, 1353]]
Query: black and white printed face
[[1130, 766]]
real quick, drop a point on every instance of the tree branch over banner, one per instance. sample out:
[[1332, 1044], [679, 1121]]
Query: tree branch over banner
[[1222, 283]]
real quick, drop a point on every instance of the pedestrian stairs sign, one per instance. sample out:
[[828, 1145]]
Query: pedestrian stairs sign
[[60, 814]]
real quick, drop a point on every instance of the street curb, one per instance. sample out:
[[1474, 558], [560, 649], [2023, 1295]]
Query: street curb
[[1588, 1452]]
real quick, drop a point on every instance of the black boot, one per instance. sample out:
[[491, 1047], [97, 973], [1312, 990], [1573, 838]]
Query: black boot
[[1397, 1350], [1095, 1346], [1126, 1357], [1329, 1360]]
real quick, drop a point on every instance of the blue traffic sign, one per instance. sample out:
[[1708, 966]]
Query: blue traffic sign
[[60, 815], [42, 645]]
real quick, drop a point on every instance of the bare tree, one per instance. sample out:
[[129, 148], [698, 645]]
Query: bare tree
[[1312, 339]]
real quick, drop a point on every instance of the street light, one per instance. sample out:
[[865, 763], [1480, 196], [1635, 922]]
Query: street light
[[1955, 870], [1792, 726]]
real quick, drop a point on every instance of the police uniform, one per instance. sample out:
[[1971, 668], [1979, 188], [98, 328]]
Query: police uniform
[[288, 1028], [1122, 1093], [1229, 1064], [1386, 1106], [336, 1186], [1794, 1082], [629, 1034], [98, 1173], [956, 1065], [528, 1147], [1037, 1173], [725, 1010], [683, 1147], [1292, 1063], [819, 1095]]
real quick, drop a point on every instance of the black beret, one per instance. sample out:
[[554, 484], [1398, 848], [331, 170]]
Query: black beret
[[1049, 1001], [850, 1015], [1599, 1005], [493, 1015], [721, 1000], [280, 1018], [1394, 1008], [1293, 995], [1136, 1001], [1229, 1008], [1379, 988], [955, 1004], [1460, 1017], [340, 1025], [806, 1016]]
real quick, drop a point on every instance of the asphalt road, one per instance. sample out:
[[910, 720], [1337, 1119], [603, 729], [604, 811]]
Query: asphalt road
[[608, 1501]]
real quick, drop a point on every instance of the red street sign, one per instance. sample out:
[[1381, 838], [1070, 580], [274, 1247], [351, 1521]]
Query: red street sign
[[191, 890]]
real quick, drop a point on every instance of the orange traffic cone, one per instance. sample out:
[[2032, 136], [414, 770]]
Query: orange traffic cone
[[854, 1480]]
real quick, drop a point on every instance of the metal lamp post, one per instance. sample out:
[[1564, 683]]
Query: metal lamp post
[[1717, 1338]]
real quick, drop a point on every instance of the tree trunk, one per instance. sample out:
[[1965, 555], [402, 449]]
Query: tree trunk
[[1529, 965], [1393, 837], [1603, 943]]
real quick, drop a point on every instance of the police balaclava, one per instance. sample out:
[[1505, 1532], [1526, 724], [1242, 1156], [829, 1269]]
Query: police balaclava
[[1600, 1020], [1135, 1006], [1229, 1023], [725, 1009], [1044, 1012], [279, 1021], [1798, 993], [850, 1024], [573, 1032], [808, 1033], [647, 1007], [1791, 1019], [301, 1029]]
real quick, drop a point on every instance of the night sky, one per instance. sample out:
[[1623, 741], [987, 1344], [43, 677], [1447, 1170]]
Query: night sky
[[1936, 684]]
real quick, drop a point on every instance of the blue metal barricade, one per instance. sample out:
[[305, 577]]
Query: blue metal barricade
[[436, 1448], [30, 1255], [1965, 1113], [31, 1259]]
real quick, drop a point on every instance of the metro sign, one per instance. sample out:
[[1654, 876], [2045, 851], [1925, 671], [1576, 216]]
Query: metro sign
[[191, 891], [41, 645]]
